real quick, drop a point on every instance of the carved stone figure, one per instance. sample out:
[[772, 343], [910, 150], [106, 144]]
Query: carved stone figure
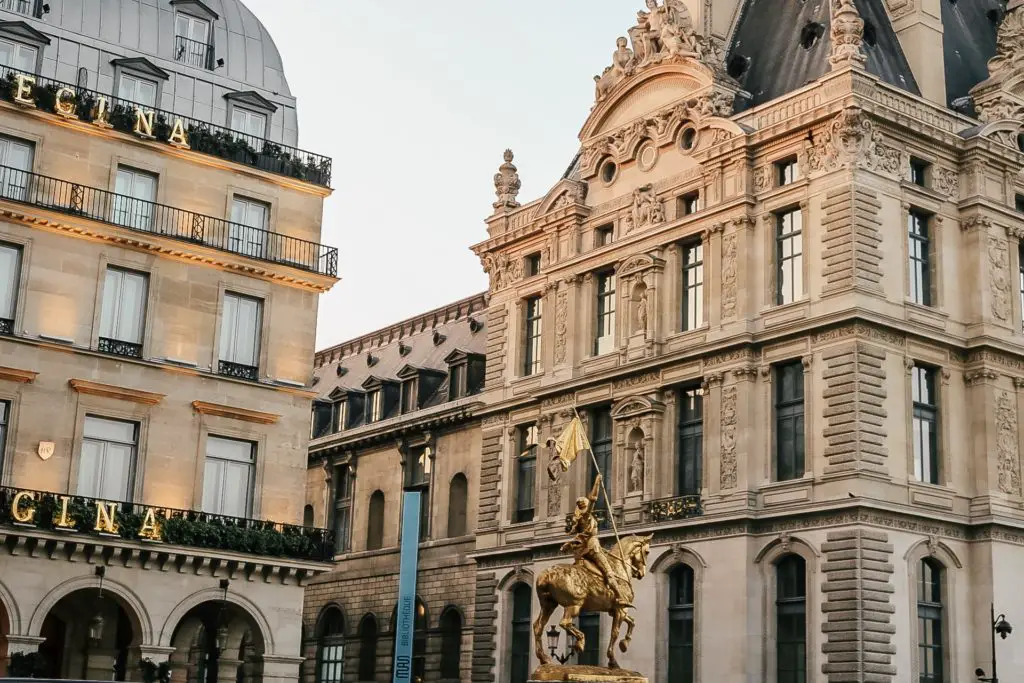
[[502, 270], [847, 36], [636, 468], [1009, 55], [561, 326], [729, 276], [727, 478], [554, 484], [1006, 445], [646, 210], [507, 184], [641, 313], [999, 281]]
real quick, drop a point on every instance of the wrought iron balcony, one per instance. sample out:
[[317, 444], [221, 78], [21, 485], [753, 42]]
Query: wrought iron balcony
[[238, 371], [202, 136], [157, 219], [600, 514], [678, 507], [193, 52], [6, 326], [120, 348], [60, 513]]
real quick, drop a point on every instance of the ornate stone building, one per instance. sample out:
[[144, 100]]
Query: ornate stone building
[[782, 283], [159, 276]]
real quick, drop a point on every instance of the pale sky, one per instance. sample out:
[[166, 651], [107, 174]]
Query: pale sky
[[416, 101]]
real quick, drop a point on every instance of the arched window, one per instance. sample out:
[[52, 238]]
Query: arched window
[[330, 659], [680, 625], [307, 516], [368, 648], [375, 522], [458, 492], [791, 619], [522, 600], [451, 643], [419, 641], [929, 621]]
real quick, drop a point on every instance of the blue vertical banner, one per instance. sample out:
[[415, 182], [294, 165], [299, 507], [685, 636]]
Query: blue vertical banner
[[407, 587]]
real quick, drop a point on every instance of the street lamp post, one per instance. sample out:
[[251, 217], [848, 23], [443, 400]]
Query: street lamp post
[[1003, 628], [553, 637]]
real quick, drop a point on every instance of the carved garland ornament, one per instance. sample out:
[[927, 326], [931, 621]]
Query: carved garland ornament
[[503, 271], [729, 276], [727, 478], [851, 139], [999, 282], [561, 326], [1006, 445]]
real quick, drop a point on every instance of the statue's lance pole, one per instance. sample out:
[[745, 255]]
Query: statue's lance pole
[[607, 501]]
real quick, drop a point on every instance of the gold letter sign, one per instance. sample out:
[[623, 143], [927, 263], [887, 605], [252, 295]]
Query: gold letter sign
[[27, 515], [150, 530], [106, 517], [143, 123], [64, 522], [178, 137], [23, 91], [66, 105]]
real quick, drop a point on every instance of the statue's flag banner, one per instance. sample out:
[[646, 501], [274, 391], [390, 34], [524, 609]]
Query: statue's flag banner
[[570, 445]]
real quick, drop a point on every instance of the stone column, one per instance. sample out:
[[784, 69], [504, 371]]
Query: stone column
[[662, 465], [563, 357], [586, 313], [276, 669], [711, 389], [748, 436], [740, 293], [711, 241]]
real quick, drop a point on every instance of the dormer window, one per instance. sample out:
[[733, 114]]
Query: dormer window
[[339, 416], [321, 419], [465, 374], [192, 44], [375, 406], [248, 122], [137, 90], [419, 385], [18, 56], [381, 399], [410, 397]]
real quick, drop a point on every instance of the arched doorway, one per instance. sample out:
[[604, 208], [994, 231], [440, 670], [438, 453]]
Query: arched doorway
[[90, 635], [217, 642]]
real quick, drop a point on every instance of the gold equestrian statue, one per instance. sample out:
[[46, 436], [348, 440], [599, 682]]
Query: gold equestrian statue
[[597, 581]]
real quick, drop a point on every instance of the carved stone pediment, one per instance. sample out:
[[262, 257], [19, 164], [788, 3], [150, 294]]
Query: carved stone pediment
[[636, 406], [565, 194], [639, 264], [1003, 131]]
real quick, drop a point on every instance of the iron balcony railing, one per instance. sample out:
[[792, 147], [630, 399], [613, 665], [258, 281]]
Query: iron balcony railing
[[677, 507], [193, 52], [203, 137], [157, 219], [119, 348], [133, 521], [238, 370]]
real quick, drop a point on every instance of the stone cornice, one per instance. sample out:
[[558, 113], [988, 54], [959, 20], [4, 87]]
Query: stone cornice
[[18, 375], [84, 386], [234, 413]]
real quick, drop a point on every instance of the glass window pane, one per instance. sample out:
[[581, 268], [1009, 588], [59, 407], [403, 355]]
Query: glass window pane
[[228, 477], [10, 270], [107, 459]]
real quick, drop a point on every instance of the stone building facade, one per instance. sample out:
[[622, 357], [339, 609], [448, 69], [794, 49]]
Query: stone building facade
[[780, 284], [397, 409], [160, 274]]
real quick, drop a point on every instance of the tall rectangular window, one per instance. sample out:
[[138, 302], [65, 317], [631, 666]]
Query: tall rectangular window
[[339, 416], [925, 424], [789, 421], [418, 477], [919, 171], [410, 396], [192, 41], [531, 336], [375, 406], [135, 192], [689, 203], [342, 509], [228, 477], [601, 446], [531, 265], [603, 235], [929, 621], [526, 468], [16, 159], [10, 275], [789, 257], [107, 466], [240, 336], [787, 171], [123, 316], [248, 231], [791, 620], [919, 248], [604, 334], [693, 285], [680, 625], [18, 56], [251, 123], [137, 90], [691, 440]]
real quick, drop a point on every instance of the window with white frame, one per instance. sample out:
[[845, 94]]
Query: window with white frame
[[919, 249], [18, 56], [123, 314], [228, 476], [789, 259], [693, 285], [135, 192], [250, 123], [16, 160], [925, 421], [604, 335], [10, 274], [192, 41], [137, 90], [532, 336], [106, 468], [248, 231], [375, 406], [240, 330]]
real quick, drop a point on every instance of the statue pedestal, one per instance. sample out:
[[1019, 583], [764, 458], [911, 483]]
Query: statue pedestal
[[585, 674]]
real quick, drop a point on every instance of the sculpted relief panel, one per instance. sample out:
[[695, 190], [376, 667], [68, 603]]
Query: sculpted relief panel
[[1006, 445], [999, 279]]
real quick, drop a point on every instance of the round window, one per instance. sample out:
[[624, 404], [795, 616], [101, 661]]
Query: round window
[[647, 156], [608, 171], [688, 138]]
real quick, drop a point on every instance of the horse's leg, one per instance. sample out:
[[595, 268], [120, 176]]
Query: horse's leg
[[547, 608], [630, 623], [616, 614], [570, 612]]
